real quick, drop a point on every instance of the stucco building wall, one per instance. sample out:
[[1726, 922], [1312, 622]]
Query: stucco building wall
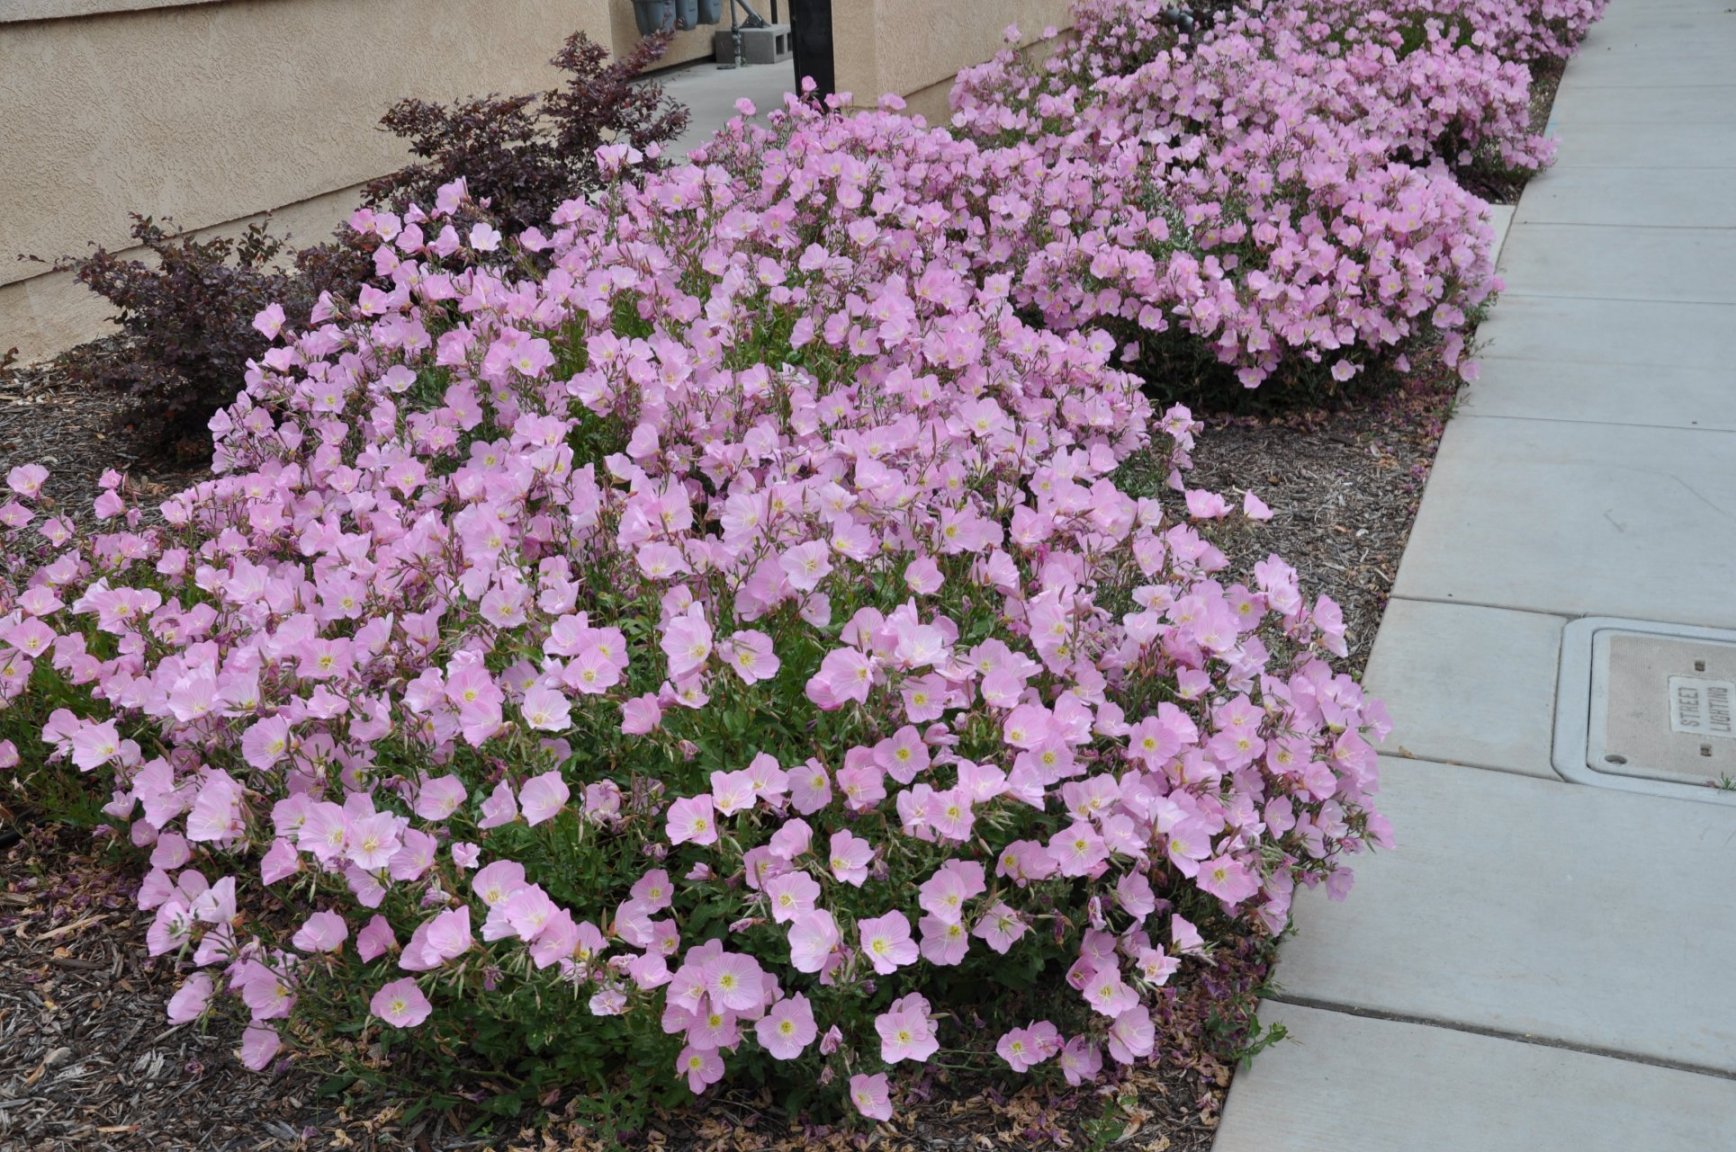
[[916, 47]]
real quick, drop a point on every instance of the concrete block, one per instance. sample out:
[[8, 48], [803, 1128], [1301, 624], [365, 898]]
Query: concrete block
[[1348, 1084], [1579, 519], [1604, 392], [1654, 145], [1641, 333], [1468, 685], [1642, 197], [1690, 265], [1571, 914], [768, 45]]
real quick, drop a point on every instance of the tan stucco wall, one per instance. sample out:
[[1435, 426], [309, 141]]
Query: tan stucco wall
[[911, 46], [45, 314], [211, 112], [17, 10]]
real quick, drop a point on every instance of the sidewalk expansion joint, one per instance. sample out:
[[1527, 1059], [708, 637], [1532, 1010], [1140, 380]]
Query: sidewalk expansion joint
[[1468, 414], [1501, 1034], [1452, 603], [1673, 300]]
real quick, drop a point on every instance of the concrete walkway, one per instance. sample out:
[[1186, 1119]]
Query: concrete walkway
[[1545, 965], [710, 93]]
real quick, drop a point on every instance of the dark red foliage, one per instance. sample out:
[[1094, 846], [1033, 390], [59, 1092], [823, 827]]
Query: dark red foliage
[[525, 155], [186, 319]]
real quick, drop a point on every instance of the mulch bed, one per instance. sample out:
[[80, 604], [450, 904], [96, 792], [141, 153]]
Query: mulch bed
[[89, 1064], [1343, 486], [78, 433]]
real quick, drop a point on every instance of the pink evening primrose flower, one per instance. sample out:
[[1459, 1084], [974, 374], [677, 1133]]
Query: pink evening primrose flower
[[887, 942], [787, 1030], [871, 1095], [692, 819], [401, 1004]]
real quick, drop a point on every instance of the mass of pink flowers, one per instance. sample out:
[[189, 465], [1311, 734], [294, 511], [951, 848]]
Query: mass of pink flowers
[[713, 635], [1282, 187]]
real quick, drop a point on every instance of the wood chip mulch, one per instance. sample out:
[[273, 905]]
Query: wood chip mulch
[[1343, 487], [77, 433], [89, 1064]]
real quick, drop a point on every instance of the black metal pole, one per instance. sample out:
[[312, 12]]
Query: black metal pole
[[811, 42]]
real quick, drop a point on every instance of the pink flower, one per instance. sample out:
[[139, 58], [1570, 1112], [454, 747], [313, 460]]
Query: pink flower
[[849, 858], [401, 1004], [906, 1031], [791, 895], [943, 944], [484, 238], [787, 1030], [497, 881], [94, 745], [810, 788], [1132, 1036], [265, 743], [189, 1001], [687, 642], [733, 792], [1081, 1061], [546, 710], [478, 699], [27, 479], [735, 981], [944, 894], [270, 321], [640, 715], [439, 797], [1203, 505], [923, 576], [813, 938], [871, 1095], [1078, 849], [501, 807], [542, 797], [845, 675], [751, 655], [321, 932], [887, 943], [436, 941], [259, 1044], [806, 565], [999, 927], [1228, 879], [1108, 994], [1019, 1050], [654, 890], [375, 940], [702, 1067], [692, 819]]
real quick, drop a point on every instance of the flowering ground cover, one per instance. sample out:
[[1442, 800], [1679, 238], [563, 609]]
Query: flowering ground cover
[[708, 640]]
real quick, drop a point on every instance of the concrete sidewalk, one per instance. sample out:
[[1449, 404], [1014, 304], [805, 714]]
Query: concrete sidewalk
[[1541, 964], [710, 93]]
